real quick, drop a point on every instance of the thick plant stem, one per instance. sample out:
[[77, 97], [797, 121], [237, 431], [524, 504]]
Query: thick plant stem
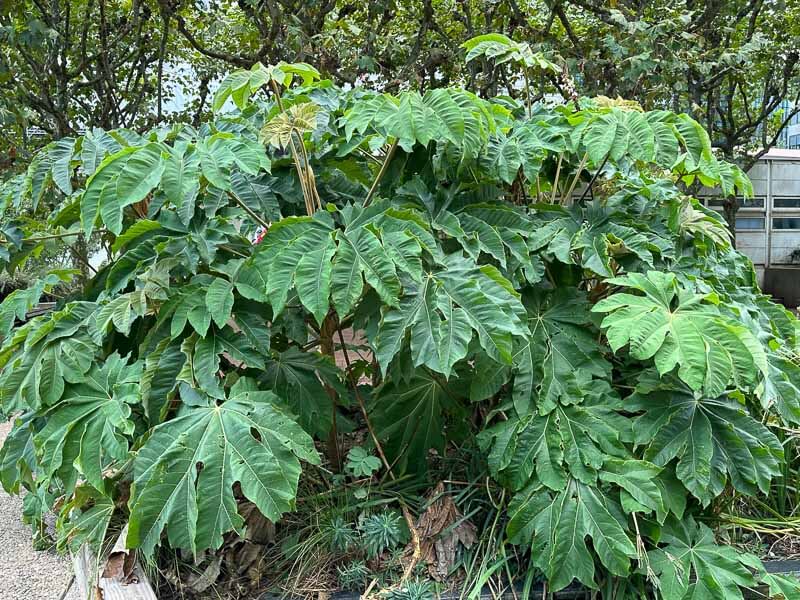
[[406, 513], [363, 406], [381, 173], [594, 178], [555, 181], [308, 173], [307, 185], [248, 210], [330, 325], [568, 195], [276, 90], [527, 93], [301, 176]]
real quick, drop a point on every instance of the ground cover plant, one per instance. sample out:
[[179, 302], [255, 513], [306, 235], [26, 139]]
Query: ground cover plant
[[321, 297]]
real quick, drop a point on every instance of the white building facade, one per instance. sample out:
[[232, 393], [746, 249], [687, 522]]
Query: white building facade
[[768, 225]]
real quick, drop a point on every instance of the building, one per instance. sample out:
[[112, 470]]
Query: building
[[768, 225], [792, 134]]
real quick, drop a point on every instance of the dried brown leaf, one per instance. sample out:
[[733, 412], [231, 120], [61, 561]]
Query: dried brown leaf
[[441, 530]]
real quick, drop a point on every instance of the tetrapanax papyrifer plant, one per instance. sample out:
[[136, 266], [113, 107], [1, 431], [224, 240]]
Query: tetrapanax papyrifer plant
[[537, 268]]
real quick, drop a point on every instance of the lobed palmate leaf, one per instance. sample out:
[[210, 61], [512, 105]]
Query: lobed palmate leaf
[[185, 472]]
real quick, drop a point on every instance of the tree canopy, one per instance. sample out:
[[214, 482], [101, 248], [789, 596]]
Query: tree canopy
[[110, 63]]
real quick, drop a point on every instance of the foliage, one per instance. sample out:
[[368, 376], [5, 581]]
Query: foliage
[[383, 531], [732, 65], [525, 273], [360, 463], [73, 64]]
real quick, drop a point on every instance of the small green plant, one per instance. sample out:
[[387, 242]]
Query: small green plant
[[353, 576], [418, 589], [360, 463], [341, 534], [413, 590], [382, 531]]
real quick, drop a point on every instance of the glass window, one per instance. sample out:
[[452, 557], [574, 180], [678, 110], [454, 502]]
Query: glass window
[[750, 223], [751, 203], [786, 202], [786, 223], [743, 203]]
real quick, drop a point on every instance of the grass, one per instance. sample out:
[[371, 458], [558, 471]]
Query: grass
[[334, 540], [340, 537]]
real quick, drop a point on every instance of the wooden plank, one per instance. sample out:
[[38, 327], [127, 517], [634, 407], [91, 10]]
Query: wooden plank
[[93, 586], [82, 565], [138, 589]]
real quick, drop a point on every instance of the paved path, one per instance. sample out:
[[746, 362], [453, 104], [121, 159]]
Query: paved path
[[26, 574]]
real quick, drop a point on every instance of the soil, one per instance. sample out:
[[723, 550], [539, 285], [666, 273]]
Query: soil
[[26, 573]]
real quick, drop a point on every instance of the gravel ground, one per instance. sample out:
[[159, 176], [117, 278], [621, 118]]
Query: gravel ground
[[26, 574]]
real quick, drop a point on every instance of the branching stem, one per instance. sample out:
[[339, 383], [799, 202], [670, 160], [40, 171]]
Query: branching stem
[[381, 173], [406, 513], [594, 178], [555, 180], [582, 164], [57, 236], [248, 210]]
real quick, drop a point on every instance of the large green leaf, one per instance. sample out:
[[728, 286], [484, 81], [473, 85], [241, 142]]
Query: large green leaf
[[782, 388], [298, 378], [713, 439], [411, 121], [561, 357], [160, 377], [101, 187], [278, 255], [600, 137], [87, 430], [665, 142], [219, 300], [409, 419], [692, 566], [442, 313], [313, 279], [181, 180], [365, 249], [90, 527], [568, 441], [204, 354], [448, 111], [121, 312], [674, 326], [18, 455], [593, 236], [44, 355], [256, 193], [141, 173], [17, 304], [185, 472], [61, 154], [556, 526], [506, 155]]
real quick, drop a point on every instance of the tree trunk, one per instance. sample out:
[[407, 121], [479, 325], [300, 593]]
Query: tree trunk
[[326, 344]]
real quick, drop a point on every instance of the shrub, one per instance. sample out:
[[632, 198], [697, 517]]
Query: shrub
[[534, 276]]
